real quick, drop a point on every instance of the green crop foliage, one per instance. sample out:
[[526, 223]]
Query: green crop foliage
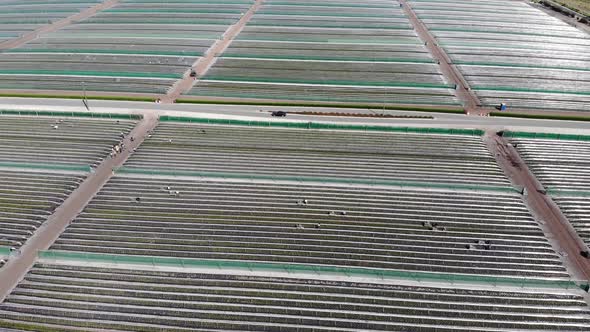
[[542, 116]]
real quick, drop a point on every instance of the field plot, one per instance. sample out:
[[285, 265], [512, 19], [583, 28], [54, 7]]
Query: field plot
[[42, 160], [137, 46], [335, 50], [563, 166], [481, 233], [513, 53], [18, 17], [28, 198], [432, 225], [325, 154], [132, 300]]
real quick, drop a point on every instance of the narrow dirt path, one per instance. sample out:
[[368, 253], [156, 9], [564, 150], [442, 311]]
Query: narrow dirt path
[[202, 65], [14, 43], [452, 74], [541, 205], [17, 266]]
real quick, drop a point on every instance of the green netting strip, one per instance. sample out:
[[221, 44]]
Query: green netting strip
[[166, 10], [549, 107], [316, 125], [512, 89], [153, 20], [327, 82], [57, 255], [458, 2], [105, 51], [322, 58], [457, 11], [496, 32], [145, 35], [308, 4], [52, 167], [569, 137], [75, 114], [24, 21], [35, 11], [366, 41], [518, 65], [212, 2], [4, 251], [89, 73], [49, 2], [467, 17], [566, 192], [291, 13], [188, 2], [337, 26], [404, 184], [492, 46]]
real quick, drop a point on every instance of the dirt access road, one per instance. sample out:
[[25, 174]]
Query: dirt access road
[[546, 212], [464, 93]]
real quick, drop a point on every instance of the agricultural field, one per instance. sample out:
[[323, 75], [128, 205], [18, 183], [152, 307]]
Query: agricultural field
[[295, 225], [177, 218], [513, 53], [42, 160], [169, 201], [18, 17], [563, 166], [341, 51], [262, 222], [136, 46], [82, 297], [447, 159], [337, 51]]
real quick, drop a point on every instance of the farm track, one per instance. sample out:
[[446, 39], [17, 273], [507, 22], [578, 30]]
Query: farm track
[[451, 73], [541, 205]]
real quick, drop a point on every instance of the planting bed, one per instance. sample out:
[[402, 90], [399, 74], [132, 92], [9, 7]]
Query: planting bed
[[18, 17], [513, 53], [134, 300], [444, 159], [27, 198], [560, 164], [136, 46], [42, 160], [339, 51], [337, 226], [58, 141], [563, 166]]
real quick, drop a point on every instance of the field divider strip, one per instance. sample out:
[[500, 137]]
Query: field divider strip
[[4, 251], [320, 270], [318, 125], [52, 167], [74, 114], [566, 137]]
